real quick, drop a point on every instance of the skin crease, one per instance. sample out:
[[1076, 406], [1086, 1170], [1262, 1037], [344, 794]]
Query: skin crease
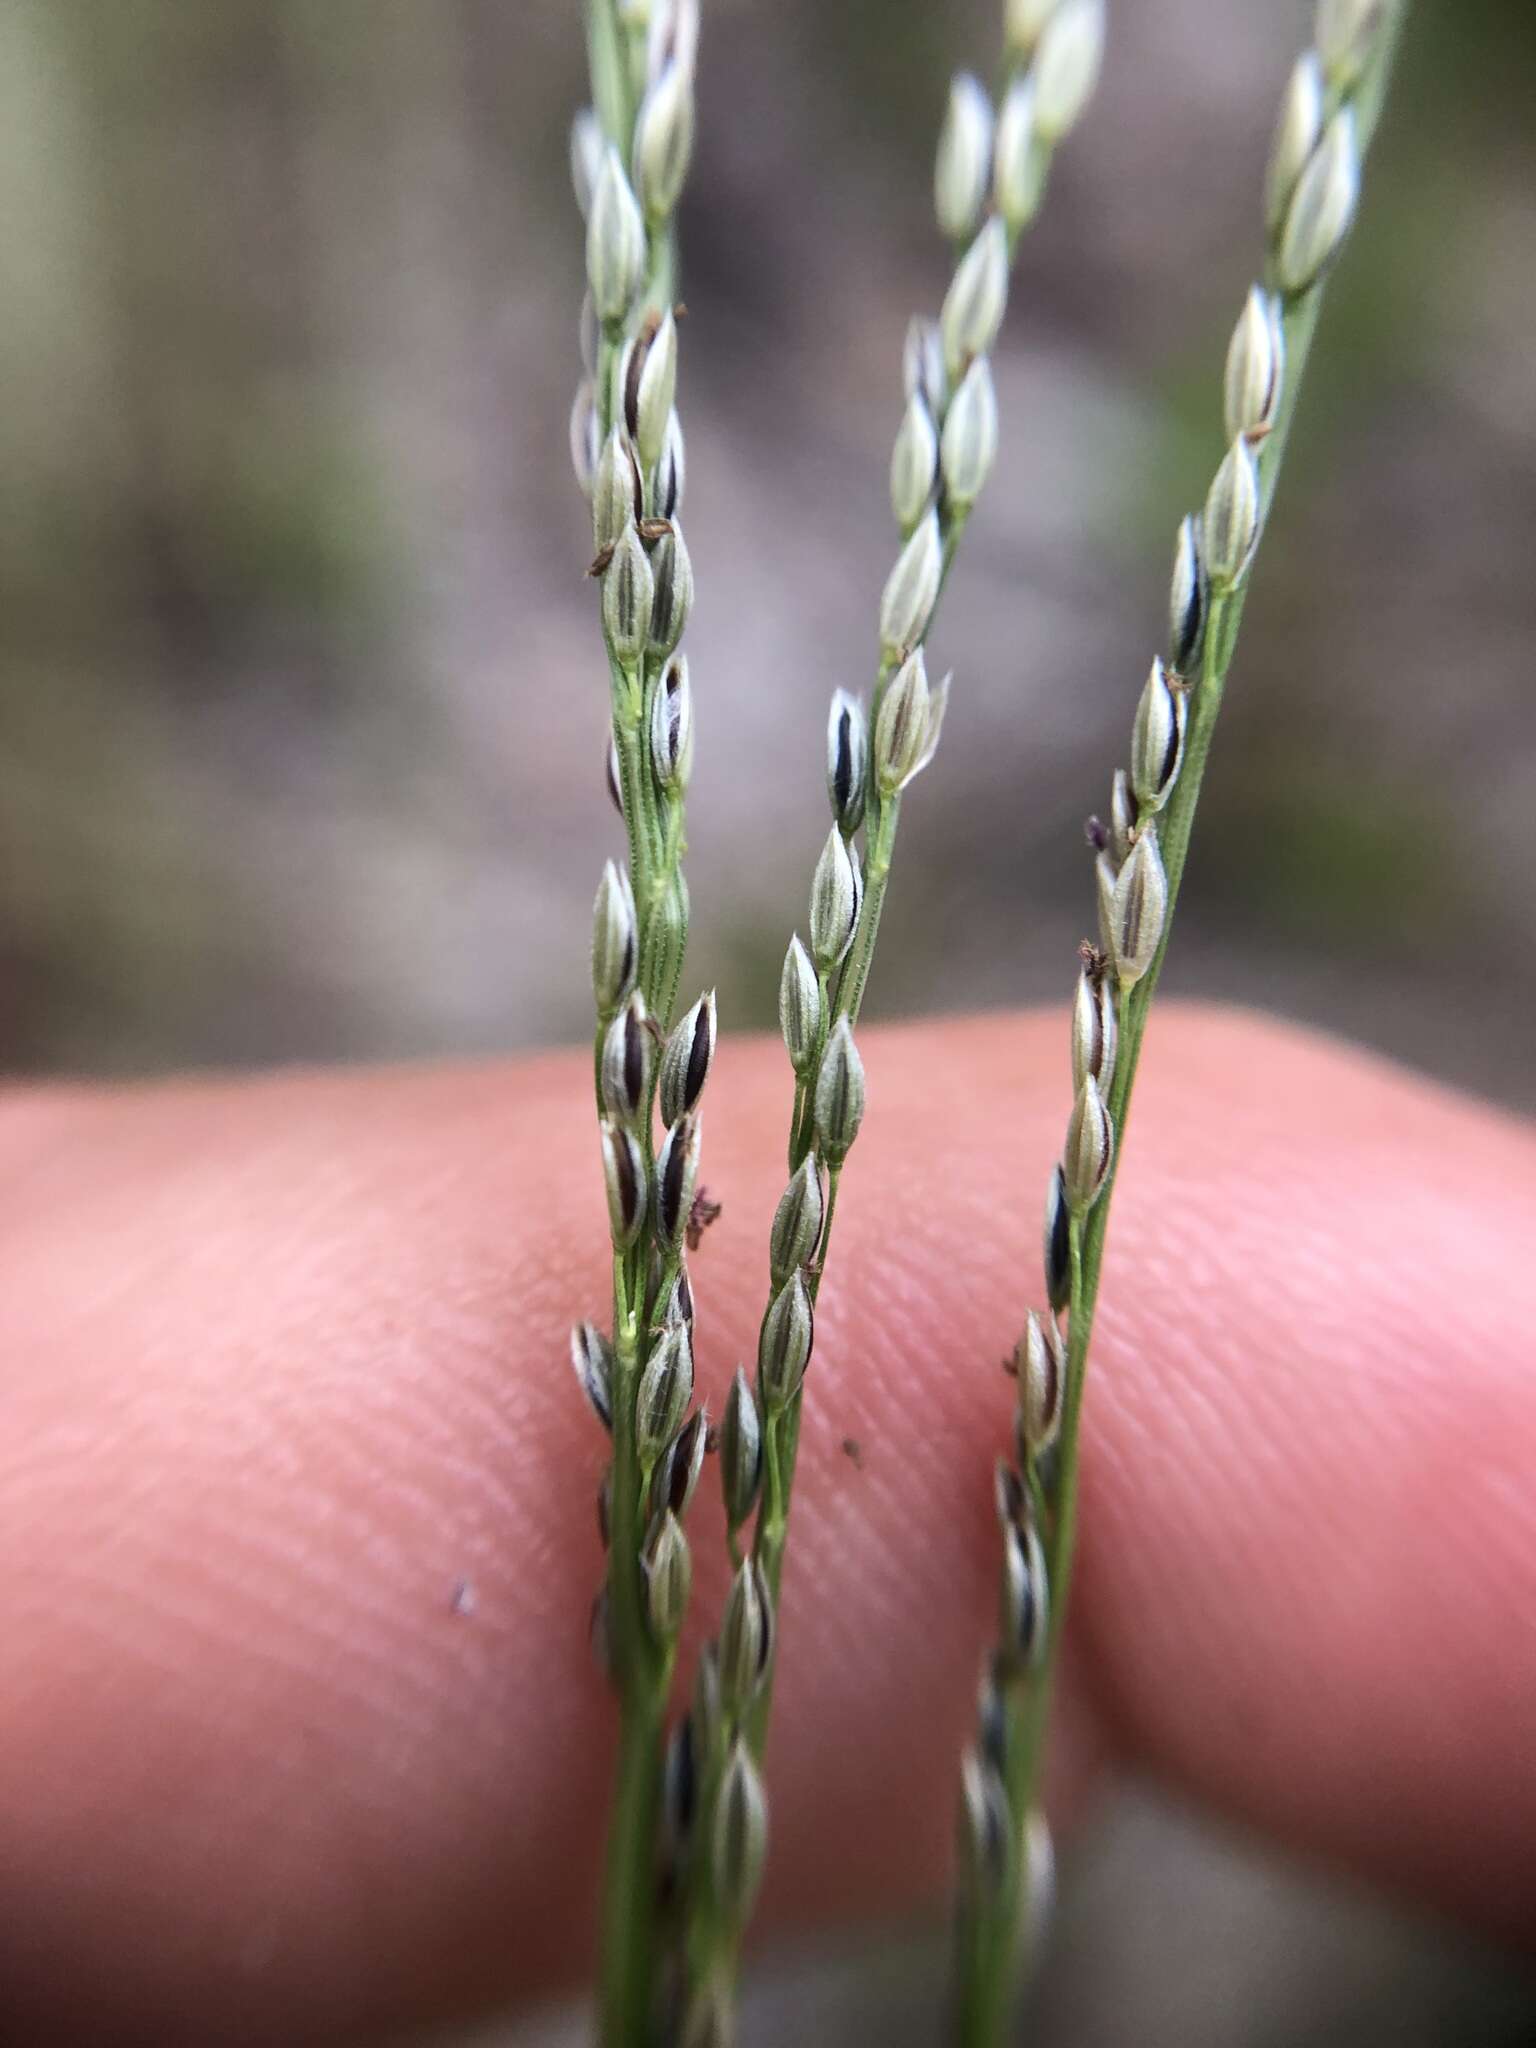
[[284, 1363]]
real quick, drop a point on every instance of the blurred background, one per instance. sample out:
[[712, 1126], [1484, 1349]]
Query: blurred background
[[302, 722]]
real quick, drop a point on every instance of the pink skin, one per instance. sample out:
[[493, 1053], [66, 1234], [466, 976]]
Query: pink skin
[[285, 1362]]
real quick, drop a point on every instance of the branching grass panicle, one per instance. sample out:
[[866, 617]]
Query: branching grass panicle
[[688, 1836], [1328, 115]]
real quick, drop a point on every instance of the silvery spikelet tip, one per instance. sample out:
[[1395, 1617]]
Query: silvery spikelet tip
[[901, 726], [1106, 873], [672, 36], [799, 1006], [746, 1637], [797, 1221], [741, 1451], [740, 1844], [664, 141], [1057, 1244], [838, 1107], [626, 1062], [672, 729], [1297, 131], [1124, 816], [615, 940], [671, 478], [847, 761], [922, 365], [1090, 1149], [835, 898], [666, 1388], [1346, 33], [1039, 1881], [677, 1172], [588, 336], [1140, 910], [1230, 526], [914, 463], [683, 1460], [588, 148], [1095, 1030], [584, 450], [1023, 21], [615, 241], [976, 301], [1322, 207], [668, 1569], [629, 594], [613, 775], [1187, 601], [624, 1182], [1020, 156], [969, 446], [963, 167], [785, 1344], [938, 705], [671, 591], [1255, 372], [686, 1060], [1157, 740], [649, 387], [618, 498], [592, 1361], [1066, 67], [1025, 1598], [1042, 1383], [985, 1827], [912, 589]]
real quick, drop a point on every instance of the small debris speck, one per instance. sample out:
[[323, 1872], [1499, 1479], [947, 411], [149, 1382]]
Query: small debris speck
[[463, 1600], [853, 1452]]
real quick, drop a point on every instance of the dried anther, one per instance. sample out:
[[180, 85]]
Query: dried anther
[[702, 1212]]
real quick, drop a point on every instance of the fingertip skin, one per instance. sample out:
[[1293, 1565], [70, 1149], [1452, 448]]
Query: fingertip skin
[[299, 1732]]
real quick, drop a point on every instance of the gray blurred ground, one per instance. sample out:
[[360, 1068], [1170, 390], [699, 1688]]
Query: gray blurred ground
[[301, 725]]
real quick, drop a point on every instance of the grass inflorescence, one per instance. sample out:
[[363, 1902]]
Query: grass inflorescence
[[1328, 114]]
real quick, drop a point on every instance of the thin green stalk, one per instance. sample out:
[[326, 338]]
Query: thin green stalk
[[629, 1888], [994, 1924]]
